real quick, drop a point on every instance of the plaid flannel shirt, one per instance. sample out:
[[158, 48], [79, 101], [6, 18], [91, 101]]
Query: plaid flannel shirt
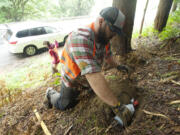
[[80, 45]]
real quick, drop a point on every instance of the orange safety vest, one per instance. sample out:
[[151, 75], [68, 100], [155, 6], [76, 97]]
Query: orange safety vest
[[72, 69]]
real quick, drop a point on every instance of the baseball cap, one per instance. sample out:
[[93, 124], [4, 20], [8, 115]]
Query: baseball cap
[[114, 18]]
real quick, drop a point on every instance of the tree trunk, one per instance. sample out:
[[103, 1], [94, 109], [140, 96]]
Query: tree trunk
[[174, 6], [162, 14], [122, 44], [142, 22]]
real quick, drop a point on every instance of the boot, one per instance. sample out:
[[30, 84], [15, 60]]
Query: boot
[[52, 97]]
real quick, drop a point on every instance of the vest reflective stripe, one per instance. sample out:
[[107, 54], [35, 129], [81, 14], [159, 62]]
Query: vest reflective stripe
[[107, 48], [70, 64], [67, 70]]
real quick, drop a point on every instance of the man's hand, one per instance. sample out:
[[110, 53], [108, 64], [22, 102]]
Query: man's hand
[[123, 114], [122, 68]]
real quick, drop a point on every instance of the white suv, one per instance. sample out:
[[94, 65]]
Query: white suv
[[27, 37]]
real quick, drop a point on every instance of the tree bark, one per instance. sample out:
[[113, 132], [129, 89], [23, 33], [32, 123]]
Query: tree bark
[[122, 44], [142, 22], [162, 14]]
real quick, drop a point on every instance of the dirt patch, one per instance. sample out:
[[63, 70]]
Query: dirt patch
[[89, 116]]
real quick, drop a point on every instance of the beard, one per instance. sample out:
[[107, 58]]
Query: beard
[[102, 38]]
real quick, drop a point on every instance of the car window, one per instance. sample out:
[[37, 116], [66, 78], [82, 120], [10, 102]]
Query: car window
[[23, 33], [37, 31], [50, 29]]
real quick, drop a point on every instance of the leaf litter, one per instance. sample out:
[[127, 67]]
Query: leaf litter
[[157, 113]]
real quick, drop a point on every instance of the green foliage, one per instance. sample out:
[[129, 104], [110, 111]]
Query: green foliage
[[135, 34], [170, 74], [38, 9], [12, 10], [148, 31], [178, 1], [34, 74], [1, 115], [111, 77], [57, 81], [170, 58], [19, 10], [29, 76], [171, 30], [178, 61], [73, 8]]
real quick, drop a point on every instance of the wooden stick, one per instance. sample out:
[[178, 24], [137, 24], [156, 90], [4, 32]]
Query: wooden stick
[[156, 114], [178, 83], [46, 131], [113, 124], [175, 102], [168, 79], [67, 131]]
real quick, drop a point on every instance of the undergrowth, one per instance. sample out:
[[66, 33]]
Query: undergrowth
[[34, 74], [170, 31]]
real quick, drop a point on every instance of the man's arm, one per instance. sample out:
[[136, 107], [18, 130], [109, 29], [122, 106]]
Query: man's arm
[[101, 88]]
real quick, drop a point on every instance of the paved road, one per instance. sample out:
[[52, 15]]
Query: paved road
[[9, 61], [7, 58]]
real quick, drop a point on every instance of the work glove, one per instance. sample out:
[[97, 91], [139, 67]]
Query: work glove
[[122, 68], [123, 114]]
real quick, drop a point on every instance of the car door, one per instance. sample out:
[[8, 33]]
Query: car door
[[38, 36]]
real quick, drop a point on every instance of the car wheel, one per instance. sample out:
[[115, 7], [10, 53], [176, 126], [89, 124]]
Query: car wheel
[[30, 50]]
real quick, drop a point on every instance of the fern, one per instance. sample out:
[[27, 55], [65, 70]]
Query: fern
[[172, 29]]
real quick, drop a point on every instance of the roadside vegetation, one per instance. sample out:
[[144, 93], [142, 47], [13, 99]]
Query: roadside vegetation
[[22, 10], [170, 31], [31, 75]]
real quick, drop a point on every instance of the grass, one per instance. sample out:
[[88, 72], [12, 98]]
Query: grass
[[147, 31], [30, 76], [170, 74], [111, 77], [33, 74], [170, 58]]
